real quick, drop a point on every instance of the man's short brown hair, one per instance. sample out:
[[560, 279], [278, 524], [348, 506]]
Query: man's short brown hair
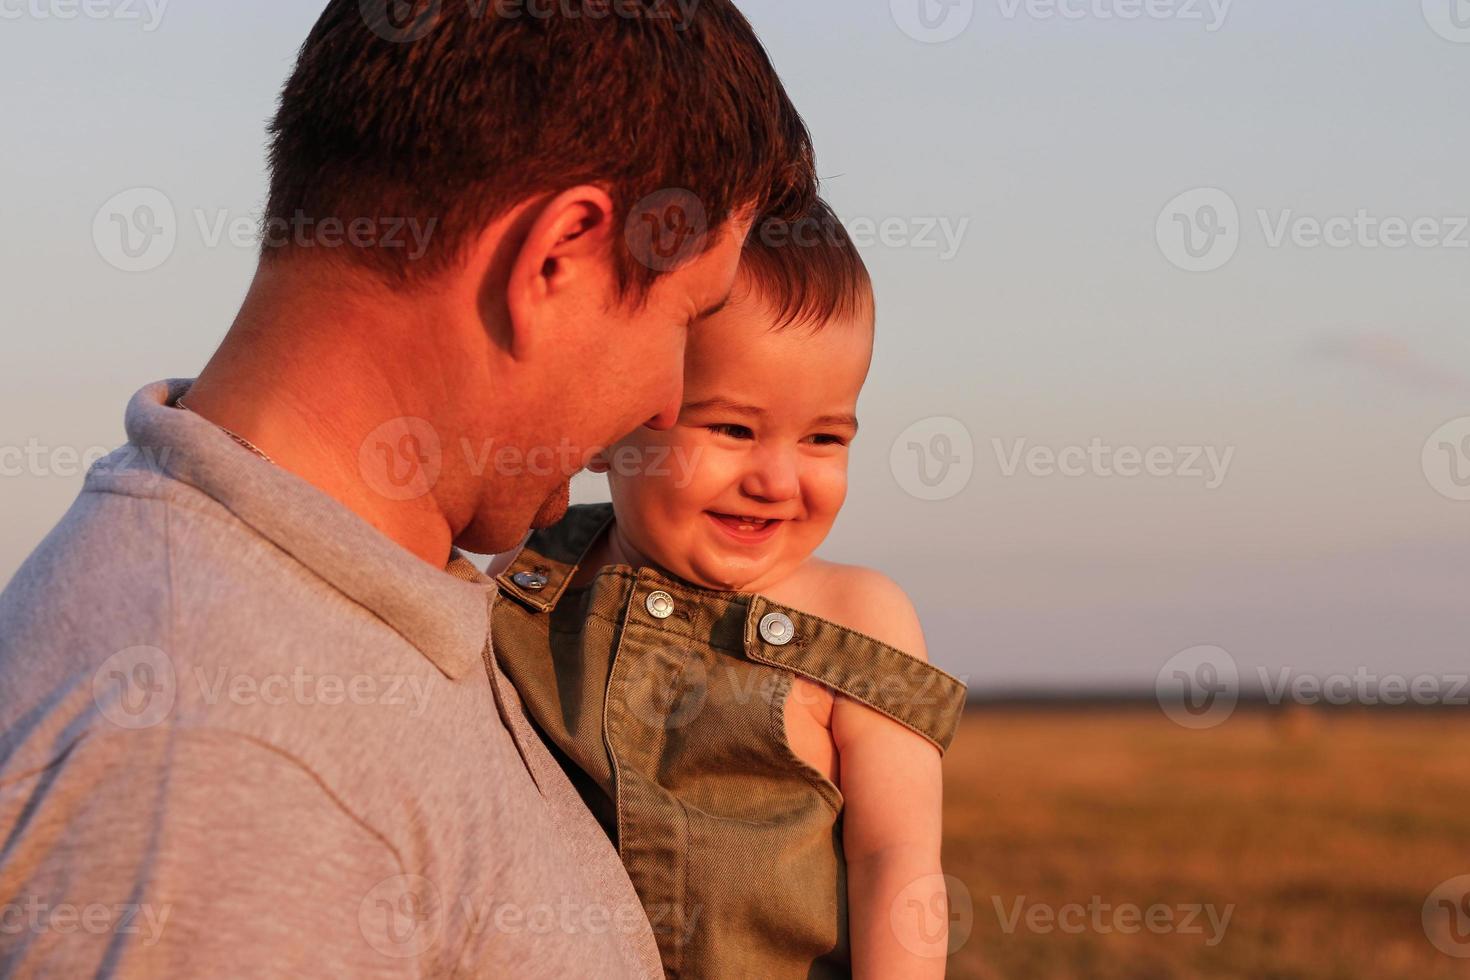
[[807, 270], [452, 119]]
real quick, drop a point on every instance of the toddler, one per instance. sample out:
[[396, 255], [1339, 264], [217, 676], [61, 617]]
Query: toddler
[[758, 729]]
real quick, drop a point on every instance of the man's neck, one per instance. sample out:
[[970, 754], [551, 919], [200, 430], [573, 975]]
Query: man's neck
[[310, 394]]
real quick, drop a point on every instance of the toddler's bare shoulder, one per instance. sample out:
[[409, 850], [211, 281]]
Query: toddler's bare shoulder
[[869, 602]]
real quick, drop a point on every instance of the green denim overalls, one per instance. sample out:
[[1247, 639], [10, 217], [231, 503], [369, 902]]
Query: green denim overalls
[[665, 703]]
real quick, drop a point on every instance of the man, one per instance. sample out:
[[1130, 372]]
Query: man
[[253, 724]]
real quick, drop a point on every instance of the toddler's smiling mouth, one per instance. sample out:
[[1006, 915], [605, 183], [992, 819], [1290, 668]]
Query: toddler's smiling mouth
[[746, 528]]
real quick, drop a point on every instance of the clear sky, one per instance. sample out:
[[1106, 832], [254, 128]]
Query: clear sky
[[1018, 190]]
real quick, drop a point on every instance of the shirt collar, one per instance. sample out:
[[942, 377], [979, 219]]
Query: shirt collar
[[445, 615]]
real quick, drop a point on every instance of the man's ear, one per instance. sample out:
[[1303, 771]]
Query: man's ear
[[564, 266]]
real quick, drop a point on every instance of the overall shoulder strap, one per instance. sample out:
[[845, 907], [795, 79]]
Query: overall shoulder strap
[[545, 566], [912, 692]]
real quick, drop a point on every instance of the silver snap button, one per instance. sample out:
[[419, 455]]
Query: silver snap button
[[534, 581], [660, 605], [777, 629]]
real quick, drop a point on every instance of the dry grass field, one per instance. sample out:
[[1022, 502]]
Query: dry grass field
[[1325, 831]]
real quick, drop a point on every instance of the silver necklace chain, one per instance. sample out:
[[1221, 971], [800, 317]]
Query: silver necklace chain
[[235, 436]]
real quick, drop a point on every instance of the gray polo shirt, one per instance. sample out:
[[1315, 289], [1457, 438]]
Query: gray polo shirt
[[246, 734]]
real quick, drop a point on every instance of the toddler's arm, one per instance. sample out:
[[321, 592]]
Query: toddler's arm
[[891, 785]]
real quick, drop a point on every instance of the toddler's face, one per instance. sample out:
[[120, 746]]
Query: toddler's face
[[763, 434]]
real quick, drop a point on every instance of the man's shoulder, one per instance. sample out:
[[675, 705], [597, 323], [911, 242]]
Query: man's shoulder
[[132, 561], [98, 568], [152, 600]]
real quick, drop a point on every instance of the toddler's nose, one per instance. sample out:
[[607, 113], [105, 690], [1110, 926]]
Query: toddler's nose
[[772, 475]]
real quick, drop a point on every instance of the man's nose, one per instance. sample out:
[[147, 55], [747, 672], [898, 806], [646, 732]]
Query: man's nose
[[669, 414]]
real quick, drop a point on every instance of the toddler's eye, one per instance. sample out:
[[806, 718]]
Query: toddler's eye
[[733, 431], [827, 439]]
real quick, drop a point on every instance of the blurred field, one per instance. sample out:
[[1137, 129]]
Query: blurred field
[[1326, 830]]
